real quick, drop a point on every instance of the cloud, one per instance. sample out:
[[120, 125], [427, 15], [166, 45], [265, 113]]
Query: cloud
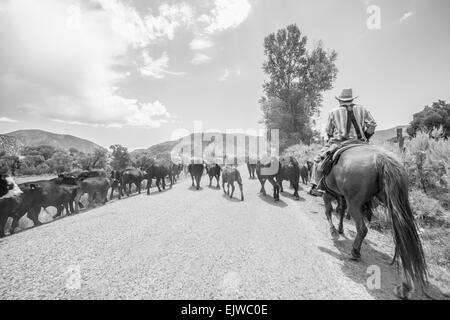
[[5, 119], [157, 68], [169, 19], [406, 16], [227, 14], [67, 63], [200, 43], [200, 58], [101, 109], [227, 73]]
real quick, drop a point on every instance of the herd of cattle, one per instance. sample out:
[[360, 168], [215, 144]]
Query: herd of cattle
[[65, 191]]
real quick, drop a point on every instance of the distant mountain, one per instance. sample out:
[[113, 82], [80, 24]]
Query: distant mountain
[[33, 138], [166, 148], [383, 136]]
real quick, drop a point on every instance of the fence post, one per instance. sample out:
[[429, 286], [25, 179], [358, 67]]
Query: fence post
[[400, 139]]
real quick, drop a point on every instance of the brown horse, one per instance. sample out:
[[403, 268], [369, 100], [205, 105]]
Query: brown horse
[[273, 178], [361, 175], [229, 176]]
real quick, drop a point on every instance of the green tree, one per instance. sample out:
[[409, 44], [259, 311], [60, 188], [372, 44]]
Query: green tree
[[430, 118], [11, 162], [120, 157], [296, 81], [97, 160], [46, 151], [60, 162]]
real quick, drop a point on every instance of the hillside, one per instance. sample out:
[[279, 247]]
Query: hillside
[[184, 143], [382, 136], [62, 141]]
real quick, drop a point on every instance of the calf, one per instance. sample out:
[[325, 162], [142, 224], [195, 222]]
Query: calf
[[251, 169], [304, 174], [214, 172], [229, 176]]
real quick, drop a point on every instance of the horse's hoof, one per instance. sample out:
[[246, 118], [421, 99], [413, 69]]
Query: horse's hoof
[[242, 199], [334, 234], [356, 255], [341, 231], [403, 292]]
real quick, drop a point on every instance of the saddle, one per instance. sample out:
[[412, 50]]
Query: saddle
[[333, 156]]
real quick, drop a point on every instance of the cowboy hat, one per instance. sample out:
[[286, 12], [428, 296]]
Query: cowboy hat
[[346, 96]]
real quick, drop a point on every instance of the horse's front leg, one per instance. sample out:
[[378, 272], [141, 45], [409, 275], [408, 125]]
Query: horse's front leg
[[218, 179], [327, 199], [361, 229]]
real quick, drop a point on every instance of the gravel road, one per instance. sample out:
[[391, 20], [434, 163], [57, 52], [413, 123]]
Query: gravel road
[[188, 244]]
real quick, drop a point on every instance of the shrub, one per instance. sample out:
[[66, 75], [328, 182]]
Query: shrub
[[303, 152]]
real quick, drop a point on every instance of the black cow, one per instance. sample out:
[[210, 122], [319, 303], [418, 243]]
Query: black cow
[[54, 194], [159, 169], [27, 203], [196, 170], [290, 171], [96, 188], [37, 195], [213, 171], [128, 177]]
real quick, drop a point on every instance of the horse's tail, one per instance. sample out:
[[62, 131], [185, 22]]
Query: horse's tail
[[394, 182]]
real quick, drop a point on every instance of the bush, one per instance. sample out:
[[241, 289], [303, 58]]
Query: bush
[[303, 152]]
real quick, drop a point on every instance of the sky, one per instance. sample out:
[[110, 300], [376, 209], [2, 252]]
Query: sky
[[141, 72]]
